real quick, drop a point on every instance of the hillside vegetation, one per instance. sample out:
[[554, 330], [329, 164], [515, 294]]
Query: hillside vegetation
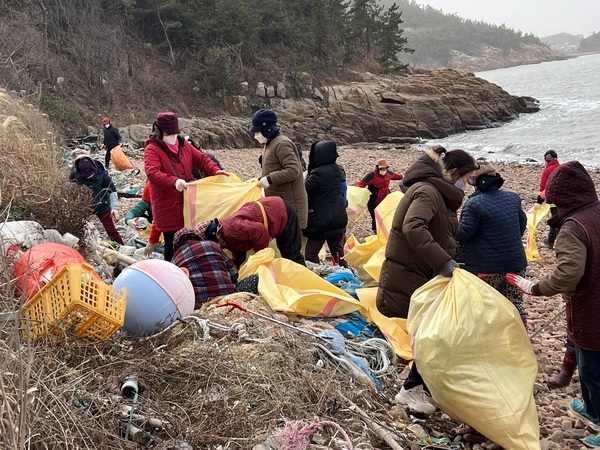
[[78, 60]]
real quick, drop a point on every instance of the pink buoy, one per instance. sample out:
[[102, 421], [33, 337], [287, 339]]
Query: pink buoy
[[159, 293]]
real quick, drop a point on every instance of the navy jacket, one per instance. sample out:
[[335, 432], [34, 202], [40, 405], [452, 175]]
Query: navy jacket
[[100, 184], [490, 233]]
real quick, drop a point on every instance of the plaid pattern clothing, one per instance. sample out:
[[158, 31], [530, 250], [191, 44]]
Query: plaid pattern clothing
[[211, 272]]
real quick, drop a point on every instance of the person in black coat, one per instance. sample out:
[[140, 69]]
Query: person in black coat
[[112, 138], [91, 173], [327, 217]]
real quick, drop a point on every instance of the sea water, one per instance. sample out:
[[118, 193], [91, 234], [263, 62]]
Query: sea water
[[568, 121]]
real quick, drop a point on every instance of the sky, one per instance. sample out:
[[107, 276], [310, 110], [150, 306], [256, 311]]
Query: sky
[[540, 17]]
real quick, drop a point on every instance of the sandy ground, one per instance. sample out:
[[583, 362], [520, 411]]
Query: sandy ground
[[558, 429]]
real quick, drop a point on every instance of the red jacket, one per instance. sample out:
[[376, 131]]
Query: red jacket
[[378, 184], [551, 166], [245, 229], [163, 168]]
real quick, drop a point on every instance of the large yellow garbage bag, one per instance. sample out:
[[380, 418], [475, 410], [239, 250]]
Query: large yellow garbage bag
[[357, 204], [535, 214], [472, 350], [393, 328], [217, 196], [292, 288], [367, 257]]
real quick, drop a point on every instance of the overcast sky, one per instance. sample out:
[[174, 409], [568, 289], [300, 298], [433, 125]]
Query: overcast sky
[[540, 17]]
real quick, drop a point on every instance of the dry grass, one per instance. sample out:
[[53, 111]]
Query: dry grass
[[33, 180]]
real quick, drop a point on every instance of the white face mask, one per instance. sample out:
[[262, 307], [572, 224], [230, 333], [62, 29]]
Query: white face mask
[[260, 138], [383, 171], [460, 183], [170, 139], [107, 125]]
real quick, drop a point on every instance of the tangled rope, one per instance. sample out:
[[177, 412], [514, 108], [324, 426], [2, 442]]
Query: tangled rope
[[378, 353]]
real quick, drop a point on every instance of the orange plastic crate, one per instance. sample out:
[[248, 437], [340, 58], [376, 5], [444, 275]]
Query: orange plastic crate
[[75, 302]]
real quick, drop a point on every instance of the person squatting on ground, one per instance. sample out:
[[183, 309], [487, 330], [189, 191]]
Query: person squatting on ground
[[281, 168], [552, 164], [211, 272], [577, 276], [327, 217], [489, 237], [252, 227], [168, 162], [91, 173], [112, 138], [378, 183], [421, 244]]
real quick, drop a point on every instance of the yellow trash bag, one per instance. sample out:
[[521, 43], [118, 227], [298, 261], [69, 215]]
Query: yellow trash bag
[[368, 257], [119, 159], [393, 328], [291, 288], [534, 216], [473, 352], [217, 196], [357, 204]]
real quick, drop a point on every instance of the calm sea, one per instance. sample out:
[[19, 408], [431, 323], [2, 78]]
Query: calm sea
[[568, 122]]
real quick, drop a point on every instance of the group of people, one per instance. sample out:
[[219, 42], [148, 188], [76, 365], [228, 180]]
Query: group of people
[[426, 238]]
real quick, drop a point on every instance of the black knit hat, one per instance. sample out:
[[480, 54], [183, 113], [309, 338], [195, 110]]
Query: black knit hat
[[265, 121]]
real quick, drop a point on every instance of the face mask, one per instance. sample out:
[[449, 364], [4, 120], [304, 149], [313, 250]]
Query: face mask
[[383, 171], [107, 125], [170, 139], [460, 183], [260, 138]]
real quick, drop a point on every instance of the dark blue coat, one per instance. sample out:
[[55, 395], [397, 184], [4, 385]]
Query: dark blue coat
[[490, 233], [327, 215], [100, 184]]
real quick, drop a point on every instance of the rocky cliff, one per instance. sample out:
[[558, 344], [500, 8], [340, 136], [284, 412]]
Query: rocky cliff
[[403, 109]]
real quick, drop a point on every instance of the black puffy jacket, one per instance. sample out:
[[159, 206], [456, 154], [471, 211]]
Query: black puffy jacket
[[327, 215], [100, 183]]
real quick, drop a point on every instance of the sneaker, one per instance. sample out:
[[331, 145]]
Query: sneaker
[[577, 407], [416, 399], [592, 441]]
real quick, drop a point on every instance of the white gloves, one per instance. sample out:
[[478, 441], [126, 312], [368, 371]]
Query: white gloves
[[180, 185], [114, 215], [114, 201], [263, 183], [222, 172], [520, 283], [149, 249]]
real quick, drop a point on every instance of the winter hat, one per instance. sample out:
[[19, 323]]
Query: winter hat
[[105, 121], [486, 177], [167, 122], [265, 121], [382, 164], [550, 155], [85, 167]]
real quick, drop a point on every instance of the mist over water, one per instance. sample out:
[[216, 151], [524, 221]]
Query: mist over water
[[568, 121]]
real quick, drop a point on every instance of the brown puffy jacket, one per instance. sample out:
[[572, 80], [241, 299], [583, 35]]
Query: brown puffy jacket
[[281, 164], [422, 236]]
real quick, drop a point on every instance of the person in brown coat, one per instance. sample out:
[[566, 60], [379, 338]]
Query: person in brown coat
[[576, 276], [281, 168], [421, 243]]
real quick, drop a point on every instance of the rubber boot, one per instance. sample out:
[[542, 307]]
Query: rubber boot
[[563, 378]]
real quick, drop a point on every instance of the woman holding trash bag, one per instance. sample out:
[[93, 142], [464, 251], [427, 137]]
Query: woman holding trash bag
[[168, 162], [421, 244]]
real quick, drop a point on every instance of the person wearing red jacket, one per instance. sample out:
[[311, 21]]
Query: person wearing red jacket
[[252, 227], [168, 162], [552, 164], [378, 183]]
